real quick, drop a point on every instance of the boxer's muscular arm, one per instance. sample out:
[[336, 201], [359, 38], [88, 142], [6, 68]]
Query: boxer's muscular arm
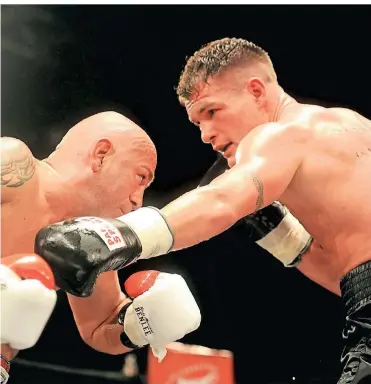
[[267, 160], [18, 176], [96, 316]]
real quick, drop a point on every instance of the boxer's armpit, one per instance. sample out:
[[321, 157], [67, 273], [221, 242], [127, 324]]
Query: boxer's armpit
[[17, 163], [260, 188]]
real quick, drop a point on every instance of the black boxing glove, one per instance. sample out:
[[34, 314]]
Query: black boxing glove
[[80, 249], [276, 230]]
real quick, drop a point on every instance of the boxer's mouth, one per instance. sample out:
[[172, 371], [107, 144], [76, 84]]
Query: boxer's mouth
[[222, 150], [225, 149]]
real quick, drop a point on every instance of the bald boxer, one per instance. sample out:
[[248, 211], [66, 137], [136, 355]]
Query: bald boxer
[[101, 167], [315, 160]]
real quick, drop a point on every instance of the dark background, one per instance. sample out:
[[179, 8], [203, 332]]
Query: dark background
[[63, 63]]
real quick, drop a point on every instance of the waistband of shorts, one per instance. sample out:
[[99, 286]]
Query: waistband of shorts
[[355, 287]]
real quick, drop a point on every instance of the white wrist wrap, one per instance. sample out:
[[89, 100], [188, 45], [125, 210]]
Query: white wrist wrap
[[287, 241], [4, 376], [152, 230]]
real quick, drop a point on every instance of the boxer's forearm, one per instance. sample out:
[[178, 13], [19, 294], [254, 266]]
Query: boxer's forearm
[[106, 338], [8, 352], [199, 215], [208, 211], [96, 316]]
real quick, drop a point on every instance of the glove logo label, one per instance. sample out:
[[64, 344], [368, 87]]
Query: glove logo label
[[143, 320], [106, 231]]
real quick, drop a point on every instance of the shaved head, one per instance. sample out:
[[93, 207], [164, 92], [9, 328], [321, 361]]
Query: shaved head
[[109, 160], [105, 123], [110, 125]]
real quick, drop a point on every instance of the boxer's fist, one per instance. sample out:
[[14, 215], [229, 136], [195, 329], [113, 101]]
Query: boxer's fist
[[276, 230], [80, 249], [4, 375], [163, 310], [27, 304]]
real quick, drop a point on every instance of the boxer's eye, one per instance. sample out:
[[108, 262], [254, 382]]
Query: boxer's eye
[[141, 178], [211, 112], [196, 123]]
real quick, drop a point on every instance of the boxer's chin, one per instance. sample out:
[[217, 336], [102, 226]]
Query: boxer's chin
[[231, 161], [127, 207]]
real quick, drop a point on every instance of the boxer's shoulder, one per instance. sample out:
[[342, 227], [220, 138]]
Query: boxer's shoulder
[[319, 120], [18, 169], [310, 117], [274, 136], [11, 146]]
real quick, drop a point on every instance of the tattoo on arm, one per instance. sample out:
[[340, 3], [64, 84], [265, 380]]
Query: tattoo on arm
[[260, 188], [17, 169]]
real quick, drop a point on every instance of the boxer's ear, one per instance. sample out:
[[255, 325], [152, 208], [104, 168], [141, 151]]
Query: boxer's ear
[[257, 88], [98, 152]]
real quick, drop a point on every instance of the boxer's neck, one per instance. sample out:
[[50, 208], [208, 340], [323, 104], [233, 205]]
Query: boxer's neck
[[58, 194], [284, 105]]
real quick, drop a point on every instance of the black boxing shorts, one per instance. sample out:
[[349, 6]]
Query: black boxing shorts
[[356, 294]]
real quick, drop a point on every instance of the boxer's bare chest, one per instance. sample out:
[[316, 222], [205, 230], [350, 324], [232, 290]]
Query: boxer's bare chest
[[330, 193], [20, 222]]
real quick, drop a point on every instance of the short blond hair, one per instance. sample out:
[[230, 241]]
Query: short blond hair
[[217, 56]]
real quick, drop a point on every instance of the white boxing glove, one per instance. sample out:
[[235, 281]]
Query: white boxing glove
[[163, 310], [26, 305]]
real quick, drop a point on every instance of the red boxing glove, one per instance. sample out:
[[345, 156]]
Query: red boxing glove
[[31, 266], [140, 282]]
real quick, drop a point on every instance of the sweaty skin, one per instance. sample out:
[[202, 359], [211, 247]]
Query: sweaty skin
[[35, 194], [314, 160]]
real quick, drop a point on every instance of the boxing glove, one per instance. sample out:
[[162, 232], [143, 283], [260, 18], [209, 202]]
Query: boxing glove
[[276, 230], [27, 299], [80, 249], [163, 310]]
